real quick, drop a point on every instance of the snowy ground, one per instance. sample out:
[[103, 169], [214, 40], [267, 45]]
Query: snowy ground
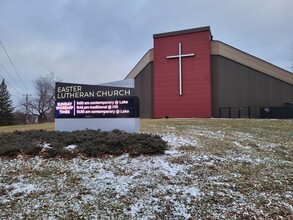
[[214, 169]]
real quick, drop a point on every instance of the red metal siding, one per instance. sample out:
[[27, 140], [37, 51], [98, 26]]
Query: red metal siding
[[196, 78]]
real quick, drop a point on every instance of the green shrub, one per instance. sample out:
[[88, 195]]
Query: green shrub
[[91, 143], [9, 151], [32, 150]]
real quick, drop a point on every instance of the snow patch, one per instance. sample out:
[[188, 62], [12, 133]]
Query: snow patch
[[21, 188], [173, 153], [206, 133], [46, 145], [192, 191], [70, 147], [178, 141]]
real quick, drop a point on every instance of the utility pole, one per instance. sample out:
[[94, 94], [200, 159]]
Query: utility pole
[[26, 107]]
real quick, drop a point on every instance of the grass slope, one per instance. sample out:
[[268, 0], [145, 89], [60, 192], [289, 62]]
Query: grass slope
[[45, 126], [214, 169]]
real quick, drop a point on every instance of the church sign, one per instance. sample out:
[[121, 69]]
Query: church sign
[[105, 107], [80, 91]]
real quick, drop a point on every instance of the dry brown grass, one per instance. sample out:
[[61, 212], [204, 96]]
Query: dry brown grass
[[44, 126], [215, 169]]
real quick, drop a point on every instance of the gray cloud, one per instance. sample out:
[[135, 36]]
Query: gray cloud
[[91, 41]]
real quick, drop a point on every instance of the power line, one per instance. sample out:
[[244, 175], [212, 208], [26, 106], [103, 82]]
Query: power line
[[13, 65], [11, 89], [13, 80], [10, 86]]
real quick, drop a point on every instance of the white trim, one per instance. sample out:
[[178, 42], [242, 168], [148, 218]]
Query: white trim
[[144, 61]]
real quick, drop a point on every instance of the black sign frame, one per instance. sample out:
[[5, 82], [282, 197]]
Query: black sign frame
[[72, 91]]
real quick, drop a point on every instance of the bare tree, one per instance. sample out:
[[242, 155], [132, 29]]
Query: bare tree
[[42, 103]]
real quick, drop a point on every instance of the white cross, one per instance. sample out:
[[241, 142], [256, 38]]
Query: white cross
[[180, 56]]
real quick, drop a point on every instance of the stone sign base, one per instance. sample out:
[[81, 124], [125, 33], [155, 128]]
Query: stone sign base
[[131, 125]]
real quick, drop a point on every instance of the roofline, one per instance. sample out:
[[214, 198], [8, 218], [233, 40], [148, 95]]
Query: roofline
[[145, 60], [224, 50], [187, 31], [232, 53]]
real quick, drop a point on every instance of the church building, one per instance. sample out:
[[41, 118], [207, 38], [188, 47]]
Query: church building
[[189, 75]]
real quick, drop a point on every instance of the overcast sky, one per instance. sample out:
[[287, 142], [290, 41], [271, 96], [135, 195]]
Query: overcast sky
[[97, 41]]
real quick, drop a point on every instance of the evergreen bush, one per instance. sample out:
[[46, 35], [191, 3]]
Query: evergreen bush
[[90, 143], [6, 108]]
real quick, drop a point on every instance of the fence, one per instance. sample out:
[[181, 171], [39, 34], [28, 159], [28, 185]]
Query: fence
[[279, 112]]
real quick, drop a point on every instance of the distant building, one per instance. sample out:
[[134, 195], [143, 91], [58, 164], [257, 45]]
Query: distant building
[[189, 75]]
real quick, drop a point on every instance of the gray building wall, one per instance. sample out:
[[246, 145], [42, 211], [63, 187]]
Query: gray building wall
[[145, 91], [235, 85]]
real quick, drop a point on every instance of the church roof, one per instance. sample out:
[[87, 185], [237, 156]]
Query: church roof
[[145, 60], [234, 54], [221, 49], [187, 31]]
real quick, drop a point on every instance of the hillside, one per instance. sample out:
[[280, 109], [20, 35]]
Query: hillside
[[213, 169]]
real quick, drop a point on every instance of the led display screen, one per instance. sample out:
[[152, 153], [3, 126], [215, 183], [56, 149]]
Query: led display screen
[[120, 107]]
